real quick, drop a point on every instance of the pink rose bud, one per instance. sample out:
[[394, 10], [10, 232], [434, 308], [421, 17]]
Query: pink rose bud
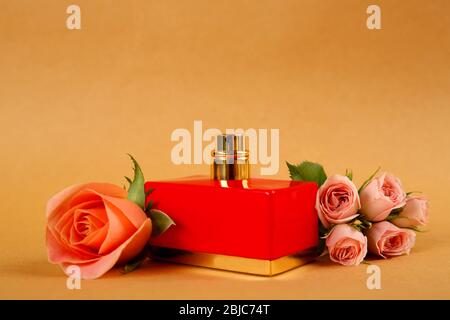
[[382, 195], [414, 214], [346, 245], [337, 201], [94, 226], [387, 240]]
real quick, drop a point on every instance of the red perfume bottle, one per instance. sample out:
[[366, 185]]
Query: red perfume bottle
[[233, 222]]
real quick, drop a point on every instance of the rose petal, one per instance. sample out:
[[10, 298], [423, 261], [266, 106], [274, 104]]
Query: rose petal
[[346, 245], [65, 196], [344, 231], [132, 211], [95, 239], [337, 201], [379, 234], [124, 252], [120, 228], [59, 252]]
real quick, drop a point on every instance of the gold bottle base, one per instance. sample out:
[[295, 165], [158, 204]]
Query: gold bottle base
[[237, 264]]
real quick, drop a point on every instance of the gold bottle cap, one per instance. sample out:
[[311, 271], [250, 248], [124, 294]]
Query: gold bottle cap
[[231, 159]]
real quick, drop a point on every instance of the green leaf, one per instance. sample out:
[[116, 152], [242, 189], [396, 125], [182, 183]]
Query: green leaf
[[293, 172], [160, 222], [360, 223], [149, 207], [322, 230], [349, 174], [357, 227], [136, 191], [149, 191], [394, 214], [136, 262], [321, 247], [323, 233], [128, 180], [307, 171], [150, 203], [397, 211], [365, 183], [130, 267]]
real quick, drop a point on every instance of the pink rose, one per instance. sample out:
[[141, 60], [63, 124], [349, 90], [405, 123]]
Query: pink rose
[[346, 245], [387, 240], [414, 214], [337, 201], [382, 195], [94, 226]]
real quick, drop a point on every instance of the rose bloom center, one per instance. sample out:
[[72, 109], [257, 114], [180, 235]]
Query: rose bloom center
[[88, 226], [339, 198], [346, 250], [389, 191]]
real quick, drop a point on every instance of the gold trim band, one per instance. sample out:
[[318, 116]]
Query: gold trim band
[[233, 263]]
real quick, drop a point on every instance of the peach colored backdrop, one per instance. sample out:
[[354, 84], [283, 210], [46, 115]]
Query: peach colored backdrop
[[73, 103]]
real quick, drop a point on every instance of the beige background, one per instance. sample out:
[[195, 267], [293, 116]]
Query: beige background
[[74, 102]]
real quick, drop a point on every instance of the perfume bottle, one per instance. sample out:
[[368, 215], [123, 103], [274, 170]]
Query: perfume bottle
[[233, 222]]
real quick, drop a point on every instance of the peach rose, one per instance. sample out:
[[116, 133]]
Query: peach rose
[[337, 201], [94, 226], [346, 245], [414, 214], [387, 240], [382, 195]]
